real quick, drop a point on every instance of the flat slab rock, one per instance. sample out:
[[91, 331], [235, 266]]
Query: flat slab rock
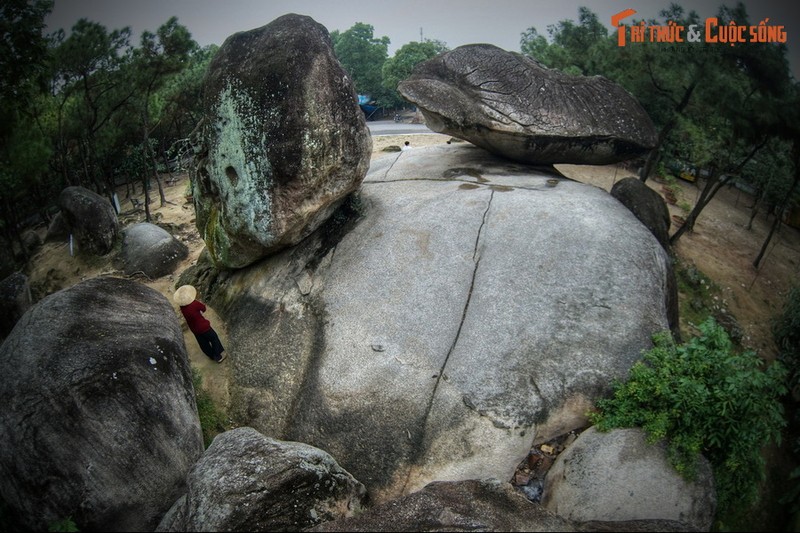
[[515, 107], [476, 306]]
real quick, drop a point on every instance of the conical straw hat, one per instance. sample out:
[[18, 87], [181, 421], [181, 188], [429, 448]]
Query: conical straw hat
[[185, 295]]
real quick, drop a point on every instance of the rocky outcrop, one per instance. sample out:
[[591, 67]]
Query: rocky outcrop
[[619, 476], [91, 220], [474, 505], [477, 505], [647, 205], [150, 250], [474, 307], [15, 299], [99, 421], [248, 482], [282, 141], [513, 106]]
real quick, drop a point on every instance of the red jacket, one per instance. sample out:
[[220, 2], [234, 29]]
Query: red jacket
[[193, 313]]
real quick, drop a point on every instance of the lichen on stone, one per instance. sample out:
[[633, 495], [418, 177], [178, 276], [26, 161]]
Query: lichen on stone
[[239, 149]]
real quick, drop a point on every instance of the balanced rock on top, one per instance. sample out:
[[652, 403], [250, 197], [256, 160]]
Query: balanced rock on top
[[281, 143], [513, 106]]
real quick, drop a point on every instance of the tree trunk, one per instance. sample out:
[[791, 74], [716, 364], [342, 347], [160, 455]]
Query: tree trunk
[[754, 211], [712, 187], [154, 164], [655, 154], [146, 198], [778, 219]]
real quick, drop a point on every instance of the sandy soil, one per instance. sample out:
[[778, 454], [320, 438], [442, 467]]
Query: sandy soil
[[720, 247]]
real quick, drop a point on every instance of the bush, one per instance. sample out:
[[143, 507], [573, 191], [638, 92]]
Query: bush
[[702, 397]]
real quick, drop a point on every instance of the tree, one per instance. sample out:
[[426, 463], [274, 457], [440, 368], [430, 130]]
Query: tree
[[22, 48], [769, 173], [160, 55], [362, 56], [782, 208], [664, 78], [87, 69], [748, 91], [182, 95], [399, 67], [576, 48], [23, 150]]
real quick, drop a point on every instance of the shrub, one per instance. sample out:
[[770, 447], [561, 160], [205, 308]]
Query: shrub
[[702, 397]]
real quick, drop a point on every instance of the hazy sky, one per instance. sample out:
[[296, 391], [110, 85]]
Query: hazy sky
[[498, 22]]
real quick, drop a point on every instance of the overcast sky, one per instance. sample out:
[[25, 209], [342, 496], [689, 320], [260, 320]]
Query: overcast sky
[[498, 22]]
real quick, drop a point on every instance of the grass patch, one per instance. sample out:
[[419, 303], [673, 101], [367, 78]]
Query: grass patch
[[212, 419]]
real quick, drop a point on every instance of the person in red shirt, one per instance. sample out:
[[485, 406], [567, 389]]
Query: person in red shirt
[[192, 310]]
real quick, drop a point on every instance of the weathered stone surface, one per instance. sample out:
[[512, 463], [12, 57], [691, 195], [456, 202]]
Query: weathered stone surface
[[476, 505], [472, 310], [15, 299], [652, 211], [151, 250], [248, 482], [647, 205], [91, 220], [513, 106], [473, 505], [619, 476], [282, 141], [99, 421]]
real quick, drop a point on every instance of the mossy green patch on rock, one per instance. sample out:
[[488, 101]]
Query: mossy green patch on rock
[[283, 140], [239, 165]]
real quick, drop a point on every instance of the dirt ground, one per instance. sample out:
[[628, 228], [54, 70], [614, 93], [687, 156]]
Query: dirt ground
[[720, 247]]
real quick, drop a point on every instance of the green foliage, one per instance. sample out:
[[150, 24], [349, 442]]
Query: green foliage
[[400, 66], [576, 49], [362, 55], [22, 47], [212, 419], [703, 397]]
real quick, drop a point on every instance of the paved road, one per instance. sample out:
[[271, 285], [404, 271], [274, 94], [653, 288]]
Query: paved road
[[390, 127]]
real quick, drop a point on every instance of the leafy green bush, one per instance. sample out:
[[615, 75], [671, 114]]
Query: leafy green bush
[[703, 397]]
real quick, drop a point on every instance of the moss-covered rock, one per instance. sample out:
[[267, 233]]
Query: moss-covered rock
[[281, 143]]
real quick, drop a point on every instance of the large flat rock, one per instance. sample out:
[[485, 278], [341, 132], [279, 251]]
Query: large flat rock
[[477, 306]]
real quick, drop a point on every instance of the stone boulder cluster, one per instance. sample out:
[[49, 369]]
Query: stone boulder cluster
[[401, 334]]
